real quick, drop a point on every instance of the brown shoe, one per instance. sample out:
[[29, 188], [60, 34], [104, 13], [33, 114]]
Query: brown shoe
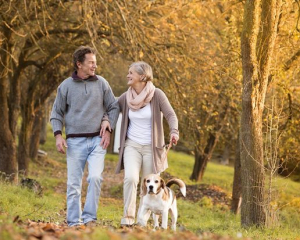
[[91, 224]]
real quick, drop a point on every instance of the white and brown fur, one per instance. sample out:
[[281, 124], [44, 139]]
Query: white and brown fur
[[159, 199]]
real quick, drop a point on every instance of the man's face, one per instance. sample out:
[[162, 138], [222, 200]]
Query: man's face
[[88, 67]]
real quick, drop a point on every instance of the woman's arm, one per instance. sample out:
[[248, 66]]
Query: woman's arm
[[170, 116]]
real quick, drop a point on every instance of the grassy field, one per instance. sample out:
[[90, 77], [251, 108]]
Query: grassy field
[[198, 217], [214, 219]]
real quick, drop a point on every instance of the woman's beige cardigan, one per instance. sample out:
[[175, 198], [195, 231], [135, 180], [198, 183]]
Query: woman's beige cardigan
[[160, 105]]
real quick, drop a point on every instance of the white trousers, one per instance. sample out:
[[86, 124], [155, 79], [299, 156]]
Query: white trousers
[[137, 158]]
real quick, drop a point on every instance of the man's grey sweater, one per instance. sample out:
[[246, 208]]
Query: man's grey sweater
[[80, 105]]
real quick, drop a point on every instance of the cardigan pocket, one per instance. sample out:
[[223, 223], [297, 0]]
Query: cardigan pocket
[[161, 154]]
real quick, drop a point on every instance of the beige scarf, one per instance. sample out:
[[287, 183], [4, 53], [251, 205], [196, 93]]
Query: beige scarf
[[137, 101]]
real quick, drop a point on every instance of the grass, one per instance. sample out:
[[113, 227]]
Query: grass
[[205, 218], [17, 201], [199, 217], [181, 165], [110, 211]]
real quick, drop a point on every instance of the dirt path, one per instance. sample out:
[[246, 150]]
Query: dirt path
[[113, 183]]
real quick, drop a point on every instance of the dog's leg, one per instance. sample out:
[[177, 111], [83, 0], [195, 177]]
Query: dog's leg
[[164, 222], [155, 218], [174, 215]]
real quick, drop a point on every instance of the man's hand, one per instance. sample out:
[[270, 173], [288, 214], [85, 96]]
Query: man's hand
[[60, 144], [104, 125], [105, 140]]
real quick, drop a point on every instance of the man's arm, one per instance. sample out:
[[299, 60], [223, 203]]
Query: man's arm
[[57, 119]]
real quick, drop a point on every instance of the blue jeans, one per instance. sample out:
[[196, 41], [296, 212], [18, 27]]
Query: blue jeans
[[82, 150]]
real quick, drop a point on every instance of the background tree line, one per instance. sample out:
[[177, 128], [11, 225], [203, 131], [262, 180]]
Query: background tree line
[[228, 67]]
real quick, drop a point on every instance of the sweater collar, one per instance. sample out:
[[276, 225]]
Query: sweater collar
[[90, 78]]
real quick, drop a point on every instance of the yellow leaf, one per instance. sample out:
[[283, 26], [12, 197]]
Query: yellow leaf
[[106, 42], [141, 54]]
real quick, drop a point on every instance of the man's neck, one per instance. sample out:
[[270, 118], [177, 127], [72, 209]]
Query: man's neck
[[82, 75]]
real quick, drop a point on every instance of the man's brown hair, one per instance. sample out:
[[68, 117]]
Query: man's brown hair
[[79, 54]]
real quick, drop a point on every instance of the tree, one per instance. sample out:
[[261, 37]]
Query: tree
[[257, 44], [237, 185], [209, 86], [35, 92], [32, 36], [186, 76]]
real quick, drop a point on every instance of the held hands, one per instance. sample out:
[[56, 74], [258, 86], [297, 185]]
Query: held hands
[[104, 125], [60, 144], [174, 139], [105, 139], [105, 134]]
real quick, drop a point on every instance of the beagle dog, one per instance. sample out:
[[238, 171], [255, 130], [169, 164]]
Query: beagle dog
[[159, 199]]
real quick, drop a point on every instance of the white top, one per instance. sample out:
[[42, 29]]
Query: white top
[[139, 129]]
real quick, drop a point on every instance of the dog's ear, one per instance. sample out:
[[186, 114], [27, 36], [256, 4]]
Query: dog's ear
[[165, 196], [162, 183], [144, 188]]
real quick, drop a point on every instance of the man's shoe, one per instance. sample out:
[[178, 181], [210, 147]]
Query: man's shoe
[[91, 224]]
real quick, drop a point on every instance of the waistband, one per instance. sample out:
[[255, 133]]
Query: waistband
[[83, 135]]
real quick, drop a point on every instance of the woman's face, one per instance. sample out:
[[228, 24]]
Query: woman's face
[[133, 77]]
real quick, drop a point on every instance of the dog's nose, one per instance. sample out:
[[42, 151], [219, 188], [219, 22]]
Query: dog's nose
[[150, 187]]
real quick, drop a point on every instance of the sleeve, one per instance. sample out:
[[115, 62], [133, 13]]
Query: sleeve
[[111, 105], [105, 117], [168, 113], [121, 101], [58, 112]]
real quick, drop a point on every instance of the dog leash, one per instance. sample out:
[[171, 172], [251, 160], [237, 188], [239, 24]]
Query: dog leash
[[168, 147]]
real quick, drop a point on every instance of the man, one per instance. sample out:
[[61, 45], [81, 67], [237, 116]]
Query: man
[[79, 105]]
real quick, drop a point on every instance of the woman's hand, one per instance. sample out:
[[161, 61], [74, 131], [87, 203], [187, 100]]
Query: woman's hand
[[104, 125], [174, 139]]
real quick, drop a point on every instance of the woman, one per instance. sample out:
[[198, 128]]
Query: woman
[[142, 136]]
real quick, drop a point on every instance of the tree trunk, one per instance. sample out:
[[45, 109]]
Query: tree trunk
[[15, 98], [226, 154], [44, 123], [8, 160], [253, 176], [37, 127], [201, 160], [24, 142], [237, 184], [257, 44]]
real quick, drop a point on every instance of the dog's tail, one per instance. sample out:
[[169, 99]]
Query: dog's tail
[[178, 182]]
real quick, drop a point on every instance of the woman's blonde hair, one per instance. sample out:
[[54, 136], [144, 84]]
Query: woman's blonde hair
[[143, 68]]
